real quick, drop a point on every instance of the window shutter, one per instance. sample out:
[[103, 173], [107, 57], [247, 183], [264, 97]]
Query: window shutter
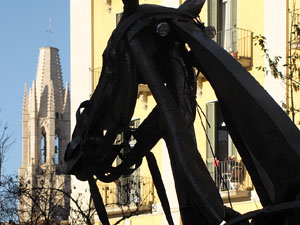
[[234, 149], [233, 12], [212, 13], [211, 133], [233, 22]]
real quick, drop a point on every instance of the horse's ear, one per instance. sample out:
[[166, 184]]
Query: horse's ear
[[192, 7], [130, 6]]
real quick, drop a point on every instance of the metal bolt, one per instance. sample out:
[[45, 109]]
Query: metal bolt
[[163, 29], [210, 32]]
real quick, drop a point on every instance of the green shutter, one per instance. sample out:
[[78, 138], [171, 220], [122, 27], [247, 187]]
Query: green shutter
[[233, 149], [233, 11], [212, 13], [211, 133], [233, 22]]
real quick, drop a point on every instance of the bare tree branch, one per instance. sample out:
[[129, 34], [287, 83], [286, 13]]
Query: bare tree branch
[[5, 143]]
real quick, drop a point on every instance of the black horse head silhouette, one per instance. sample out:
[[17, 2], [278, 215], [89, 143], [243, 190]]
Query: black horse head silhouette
[[149, 46]]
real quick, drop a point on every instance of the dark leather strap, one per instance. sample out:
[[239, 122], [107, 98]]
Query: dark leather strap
[[98, 201], [161, 191], [266, 211]]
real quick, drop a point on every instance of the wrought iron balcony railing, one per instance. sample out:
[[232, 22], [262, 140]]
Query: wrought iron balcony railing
[[239, 43], [132, 190], [231, 175]]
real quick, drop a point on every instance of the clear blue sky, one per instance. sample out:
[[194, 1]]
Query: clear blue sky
[[23, 26]]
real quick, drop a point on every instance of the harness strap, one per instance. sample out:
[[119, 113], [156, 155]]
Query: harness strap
[[83, 105], [266, 211], [98, 201], [161, 191]]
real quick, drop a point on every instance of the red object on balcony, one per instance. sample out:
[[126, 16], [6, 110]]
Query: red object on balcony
[[216, 162]]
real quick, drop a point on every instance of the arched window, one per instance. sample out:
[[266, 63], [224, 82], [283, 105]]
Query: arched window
[[43, 148], [56, 150]]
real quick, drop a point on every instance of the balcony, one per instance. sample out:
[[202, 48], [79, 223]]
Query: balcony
[[238, 42], [126, 196], [232, 179], [294, 36]]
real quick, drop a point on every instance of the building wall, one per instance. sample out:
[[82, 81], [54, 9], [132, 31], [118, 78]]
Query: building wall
[[81, 82], [81, 55], [251, 16], [275, 32]]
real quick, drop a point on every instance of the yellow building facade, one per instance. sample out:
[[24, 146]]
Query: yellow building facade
[[236, 22]]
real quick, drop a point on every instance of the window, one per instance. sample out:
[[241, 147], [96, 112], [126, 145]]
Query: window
[[43, 148], [221, 154], [56, 150], [128, 186], [222, 14]]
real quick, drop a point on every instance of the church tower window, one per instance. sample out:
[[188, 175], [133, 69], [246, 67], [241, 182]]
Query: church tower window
[[43, 148], [56, 151]]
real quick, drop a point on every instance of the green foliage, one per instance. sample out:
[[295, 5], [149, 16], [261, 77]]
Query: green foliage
[[292, 78], [260, 40]]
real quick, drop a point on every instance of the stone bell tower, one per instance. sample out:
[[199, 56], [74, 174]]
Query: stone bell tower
[[46, 125]]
